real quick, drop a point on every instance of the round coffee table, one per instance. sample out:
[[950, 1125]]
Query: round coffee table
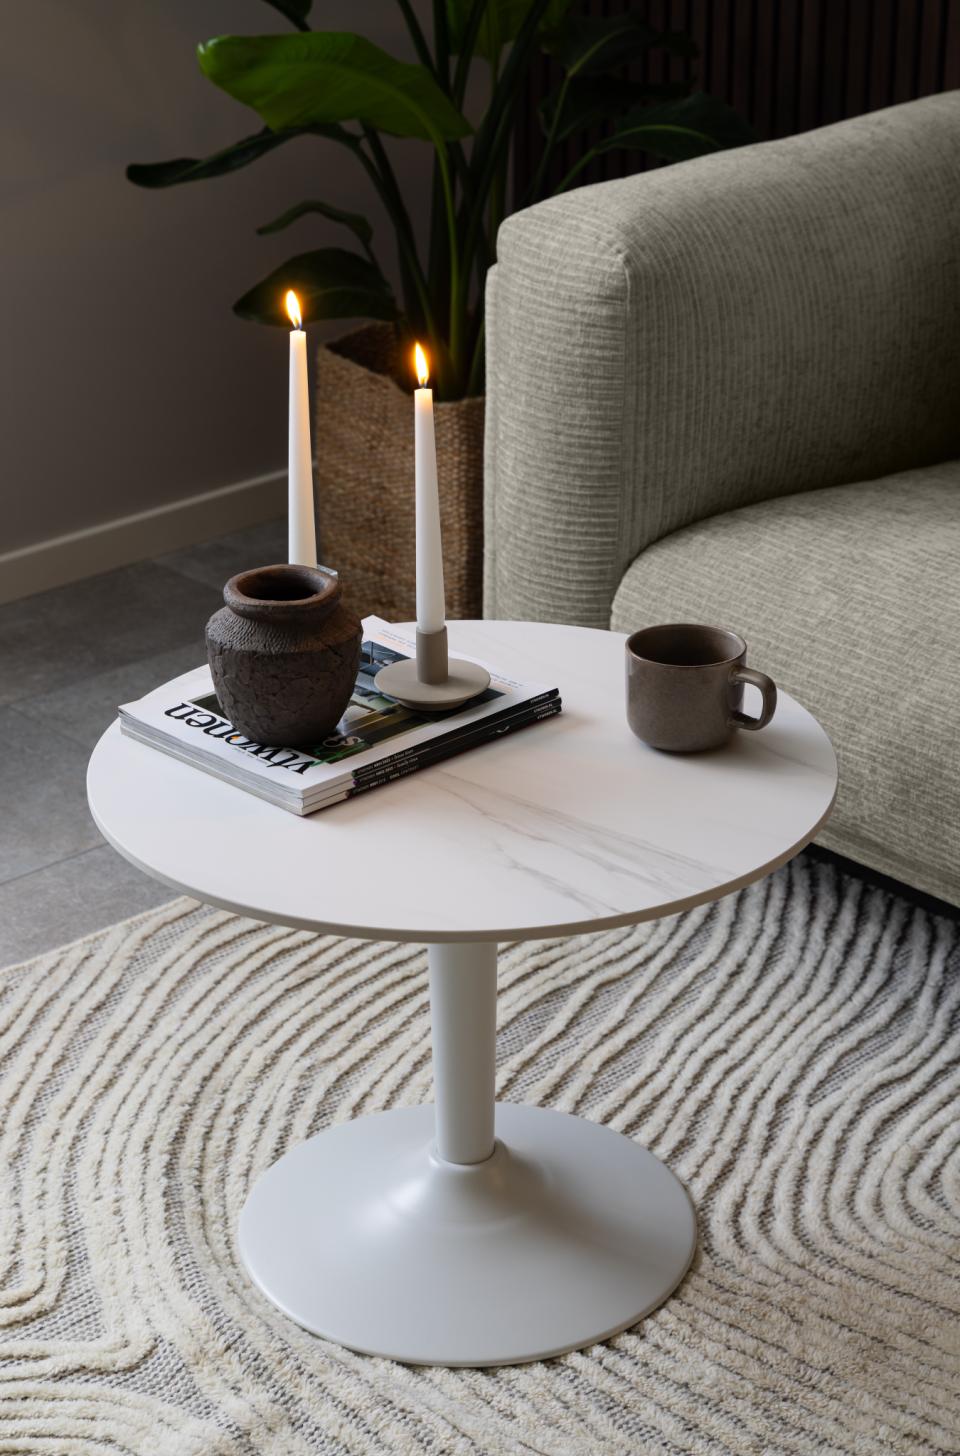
[[469, 1233]]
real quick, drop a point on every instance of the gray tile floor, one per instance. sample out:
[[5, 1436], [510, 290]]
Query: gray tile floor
[[67, 658]]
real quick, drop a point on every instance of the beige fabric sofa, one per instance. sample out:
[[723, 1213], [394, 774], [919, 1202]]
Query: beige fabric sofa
[[729, 391]]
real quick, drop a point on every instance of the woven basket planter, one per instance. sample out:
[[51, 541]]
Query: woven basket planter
[[365, 483]]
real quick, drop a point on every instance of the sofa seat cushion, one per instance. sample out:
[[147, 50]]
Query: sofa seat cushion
[[849, 597]]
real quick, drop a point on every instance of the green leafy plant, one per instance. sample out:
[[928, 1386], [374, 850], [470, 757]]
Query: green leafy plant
[[347, 90]]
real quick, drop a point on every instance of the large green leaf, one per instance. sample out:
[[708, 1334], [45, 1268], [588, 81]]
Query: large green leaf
[[355, 221], [500, 25], [330, 283], [678, 130], [328, 77], [590, 45], [194, 169]]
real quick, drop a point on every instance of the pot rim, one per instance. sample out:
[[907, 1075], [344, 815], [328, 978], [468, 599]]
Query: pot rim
[[239, 598]]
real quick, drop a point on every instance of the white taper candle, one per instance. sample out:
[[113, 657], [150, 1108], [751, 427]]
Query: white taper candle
[[301, 527], [430, 598]]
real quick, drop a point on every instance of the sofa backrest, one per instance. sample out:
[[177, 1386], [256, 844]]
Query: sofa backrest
[[753, 323]]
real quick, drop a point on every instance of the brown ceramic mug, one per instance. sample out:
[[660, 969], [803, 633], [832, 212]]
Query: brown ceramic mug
[[685, 687]]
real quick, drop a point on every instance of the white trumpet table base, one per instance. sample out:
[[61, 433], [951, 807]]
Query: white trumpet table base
[[567, 1234], [554, 1235]]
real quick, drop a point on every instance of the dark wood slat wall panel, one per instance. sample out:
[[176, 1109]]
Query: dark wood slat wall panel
[[950, 50], [786, 65]]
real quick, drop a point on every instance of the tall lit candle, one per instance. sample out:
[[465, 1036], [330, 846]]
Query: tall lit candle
[[433, 680], [301, 527], [430, 601]]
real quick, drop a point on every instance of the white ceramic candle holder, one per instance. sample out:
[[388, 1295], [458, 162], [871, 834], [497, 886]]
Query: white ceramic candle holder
[[432, 680]]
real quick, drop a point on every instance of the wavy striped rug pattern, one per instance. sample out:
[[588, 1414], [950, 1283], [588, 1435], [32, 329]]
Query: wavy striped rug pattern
[[792, 1051]]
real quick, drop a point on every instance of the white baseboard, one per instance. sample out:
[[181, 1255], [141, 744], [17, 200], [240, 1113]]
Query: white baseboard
[[148, 533]]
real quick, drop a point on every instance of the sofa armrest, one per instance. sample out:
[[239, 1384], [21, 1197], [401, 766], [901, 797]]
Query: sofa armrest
[[708, 335]]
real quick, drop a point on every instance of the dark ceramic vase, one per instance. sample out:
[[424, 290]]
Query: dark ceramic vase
[[284, 653]]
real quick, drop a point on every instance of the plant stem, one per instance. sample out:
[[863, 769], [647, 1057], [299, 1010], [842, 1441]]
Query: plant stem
[[438, 266], [497, 181], [382, 176], [441, 43], [467, 47], [497, 154], [368, 249], [575, 170], [417, 36], [490, 157], [296, 21], [456, 320], [477, 363], [508, 84], [533, 191], [449, 380]]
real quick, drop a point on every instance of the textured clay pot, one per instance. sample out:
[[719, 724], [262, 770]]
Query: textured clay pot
[[284, 653]]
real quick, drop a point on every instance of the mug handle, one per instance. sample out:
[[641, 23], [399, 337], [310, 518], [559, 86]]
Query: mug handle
[[767, 687]]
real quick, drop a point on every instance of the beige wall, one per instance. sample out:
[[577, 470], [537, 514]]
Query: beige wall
[[127, 383]]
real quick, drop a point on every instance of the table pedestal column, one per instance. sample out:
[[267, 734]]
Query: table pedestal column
[[467, 1233], [463, 1019]]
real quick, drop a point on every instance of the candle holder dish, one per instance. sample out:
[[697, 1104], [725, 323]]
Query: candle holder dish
[[284, 653], [432, 680]]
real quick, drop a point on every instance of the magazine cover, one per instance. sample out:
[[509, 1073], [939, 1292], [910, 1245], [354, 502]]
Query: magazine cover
[[376, 739]]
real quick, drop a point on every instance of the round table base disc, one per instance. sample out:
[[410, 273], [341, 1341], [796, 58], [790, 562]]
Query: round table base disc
[[568, 1234]]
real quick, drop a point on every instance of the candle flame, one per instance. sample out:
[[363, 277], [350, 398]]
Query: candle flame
[[421, 365], [293, 308]]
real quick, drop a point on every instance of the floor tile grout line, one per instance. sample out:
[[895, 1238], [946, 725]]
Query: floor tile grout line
[[21, 704], [53, 863]]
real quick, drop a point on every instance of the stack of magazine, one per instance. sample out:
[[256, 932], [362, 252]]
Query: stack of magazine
[[377, 739]]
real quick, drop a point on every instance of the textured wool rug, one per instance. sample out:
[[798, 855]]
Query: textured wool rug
[[792, 1051]]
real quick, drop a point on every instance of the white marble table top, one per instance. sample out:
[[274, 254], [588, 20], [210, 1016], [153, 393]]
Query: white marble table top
[[571, 825]]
